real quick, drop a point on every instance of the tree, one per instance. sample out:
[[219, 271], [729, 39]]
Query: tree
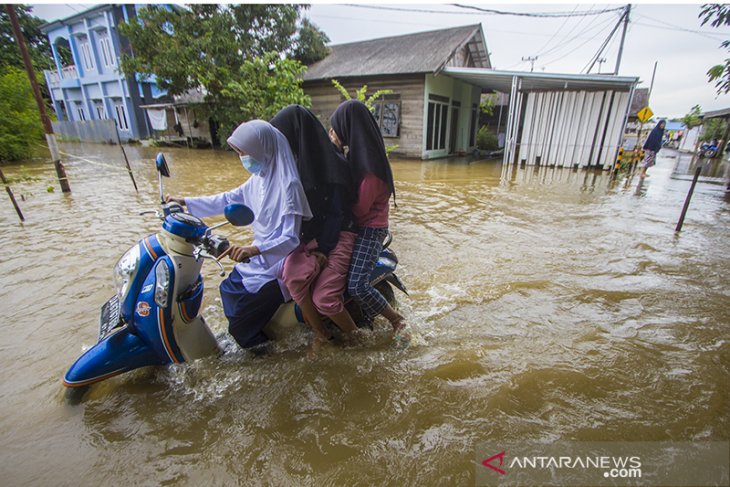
[[693, 118], [206, 44], [245, 56], [718, 15], [712, 129], [20, 124], [35, 40], [311, 43], [261, 88]]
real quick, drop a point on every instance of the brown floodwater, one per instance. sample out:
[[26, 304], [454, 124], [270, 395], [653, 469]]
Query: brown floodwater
[[545, 304]]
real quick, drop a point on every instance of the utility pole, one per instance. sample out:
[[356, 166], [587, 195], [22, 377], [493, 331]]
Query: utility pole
[[47, 127], [623, 37], [600, 61], [531, 61]]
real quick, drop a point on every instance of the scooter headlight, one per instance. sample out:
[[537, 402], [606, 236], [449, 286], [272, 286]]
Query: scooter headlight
[[162, 284], [125, 270]]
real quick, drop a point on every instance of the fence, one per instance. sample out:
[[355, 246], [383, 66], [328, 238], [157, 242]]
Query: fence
[[97, 131]]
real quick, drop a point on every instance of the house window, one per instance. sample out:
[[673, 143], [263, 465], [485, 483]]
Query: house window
[[100, 112], [387, 113], [438, 112], [107, 53], [473, 124], [80, 112], [121, 116], [86, 57]]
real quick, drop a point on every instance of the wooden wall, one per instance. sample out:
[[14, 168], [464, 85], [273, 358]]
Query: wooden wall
[[325, 98]]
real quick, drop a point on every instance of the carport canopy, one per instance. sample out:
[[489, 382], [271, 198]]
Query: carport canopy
[[558, 119]]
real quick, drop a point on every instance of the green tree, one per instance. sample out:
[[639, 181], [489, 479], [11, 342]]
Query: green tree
[[20, 124], [693, 118], [311, 43], [243, 55], [261, 87], [718, 15], [712, 128], [35, 40]]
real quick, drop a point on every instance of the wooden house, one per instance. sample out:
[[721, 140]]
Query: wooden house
[[428, 114]]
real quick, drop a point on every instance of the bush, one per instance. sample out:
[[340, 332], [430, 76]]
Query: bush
[[486, 140], [20, 122]]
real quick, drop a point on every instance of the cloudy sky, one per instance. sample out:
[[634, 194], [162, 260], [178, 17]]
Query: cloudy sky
[[669, 34]]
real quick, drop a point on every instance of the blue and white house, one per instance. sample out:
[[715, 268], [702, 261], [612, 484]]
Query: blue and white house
[[90, 85]]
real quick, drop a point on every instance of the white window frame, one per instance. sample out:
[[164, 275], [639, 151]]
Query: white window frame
[[438, 136], [87, 57], [80, 112], [107, 53], [121, 116], [100, 110]]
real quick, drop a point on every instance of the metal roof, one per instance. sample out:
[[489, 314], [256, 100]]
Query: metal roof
[[492, 79], [725, 112], [423, 52]]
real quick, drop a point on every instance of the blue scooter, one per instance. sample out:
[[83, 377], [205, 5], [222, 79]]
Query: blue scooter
[[154, 318]]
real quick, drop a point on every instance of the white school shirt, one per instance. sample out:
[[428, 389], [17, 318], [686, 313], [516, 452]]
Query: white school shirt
[[268, 265]]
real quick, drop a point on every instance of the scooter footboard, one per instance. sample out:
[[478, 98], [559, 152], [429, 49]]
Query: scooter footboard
[[119, 352]]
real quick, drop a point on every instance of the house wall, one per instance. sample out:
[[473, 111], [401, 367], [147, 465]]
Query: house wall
[[93, 79], [326, 98], [467, 95]]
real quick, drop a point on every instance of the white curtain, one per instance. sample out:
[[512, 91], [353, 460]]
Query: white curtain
[[158, 119]]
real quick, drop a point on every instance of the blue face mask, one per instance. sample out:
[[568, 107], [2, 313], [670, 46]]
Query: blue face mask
[[251, 165]]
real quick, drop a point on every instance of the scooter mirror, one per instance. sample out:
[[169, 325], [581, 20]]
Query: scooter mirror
[[161, 164], [238, 215]]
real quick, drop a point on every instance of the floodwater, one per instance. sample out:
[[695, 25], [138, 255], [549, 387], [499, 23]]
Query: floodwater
[[545, 304]]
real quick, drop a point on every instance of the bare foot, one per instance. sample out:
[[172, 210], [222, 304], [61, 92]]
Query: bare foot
[[401, 337], [316, 347]]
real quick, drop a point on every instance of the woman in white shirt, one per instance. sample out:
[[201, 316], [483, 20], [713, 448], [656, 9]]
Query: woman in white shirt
[[253, 291]]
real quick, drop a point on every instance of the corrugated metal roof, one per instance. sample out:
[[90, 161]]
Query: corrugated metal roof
[[423, 52], [640, 100], [717, 113], [492, 79]]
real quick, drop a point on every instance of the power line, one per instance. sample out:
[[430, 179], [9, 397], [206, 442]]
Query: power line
[[486, 11], [599, 29], [540, 14], [556, 32]]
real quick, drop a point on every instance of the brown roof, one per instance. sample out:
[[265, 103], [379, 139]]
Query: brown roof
[[723, 113], [423, 52], [640, 100]]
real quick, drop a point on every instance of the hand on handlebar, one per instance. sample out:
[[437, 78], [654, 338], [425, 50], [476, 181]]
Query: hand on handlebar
[[174, 199], [240, 253]]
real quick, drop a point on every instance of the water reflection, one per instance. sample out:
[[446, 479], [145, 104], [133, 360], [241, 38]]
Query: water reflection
[[547, 303]]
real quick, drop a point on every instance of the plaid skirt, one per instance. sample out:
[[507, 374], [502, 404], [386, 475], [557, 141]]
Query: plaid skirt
[[649, 158], [365, 255]]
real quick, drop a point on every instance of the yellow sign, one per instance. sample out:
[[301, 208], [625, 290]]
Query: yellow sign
[[644, 114]]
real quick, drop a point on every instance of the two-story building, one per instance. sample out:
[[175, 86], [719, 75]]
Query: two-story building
[[87, 83]]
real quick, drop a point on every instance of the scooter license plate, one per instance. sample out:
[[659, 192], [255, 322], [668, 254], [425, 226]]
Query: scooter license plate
[[110, 317]]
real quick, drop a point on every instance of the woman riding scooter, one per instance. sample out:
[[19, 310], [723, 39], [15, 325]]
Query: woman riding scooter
[[253, 291]]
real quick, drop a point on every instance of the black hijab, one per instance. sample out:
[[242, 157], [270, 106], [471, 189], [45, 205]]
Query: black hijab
[[317, 159], [357, 129]]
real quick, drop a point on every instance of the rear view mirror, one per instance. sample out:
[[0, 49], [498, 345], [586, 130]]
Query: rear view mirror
[[161, 164], [238, 215]]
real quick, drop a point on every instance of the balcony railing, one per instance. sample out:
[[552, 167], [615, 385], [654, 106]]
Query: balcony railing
[[54, 77]]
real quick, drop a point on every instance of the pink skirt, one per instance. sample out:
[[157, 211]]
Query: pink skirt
[[302, 274]]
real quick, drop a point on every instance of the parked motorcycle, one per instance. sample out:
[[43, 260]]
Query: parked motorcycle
[[154, 317], [708, 150]]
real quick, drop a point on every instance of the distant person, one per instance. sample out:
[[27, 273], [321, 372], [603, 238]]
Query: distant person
[[354, 127], [652, 145], [316, 271], [253, 291]]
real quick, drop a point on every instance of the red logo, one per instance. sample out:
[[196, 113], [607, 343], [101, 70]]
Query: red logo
[[487, 463], [143, 309]]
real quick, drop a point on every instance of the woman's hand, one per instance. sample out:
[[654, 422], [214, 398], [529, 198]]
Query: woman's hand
[[321, 259], [239, 253], [174, 199]]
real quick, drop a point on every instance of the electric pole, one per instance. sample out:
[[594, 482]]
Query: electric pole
[[623, 37], [531, 60], [47, 127], [600, 62]]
